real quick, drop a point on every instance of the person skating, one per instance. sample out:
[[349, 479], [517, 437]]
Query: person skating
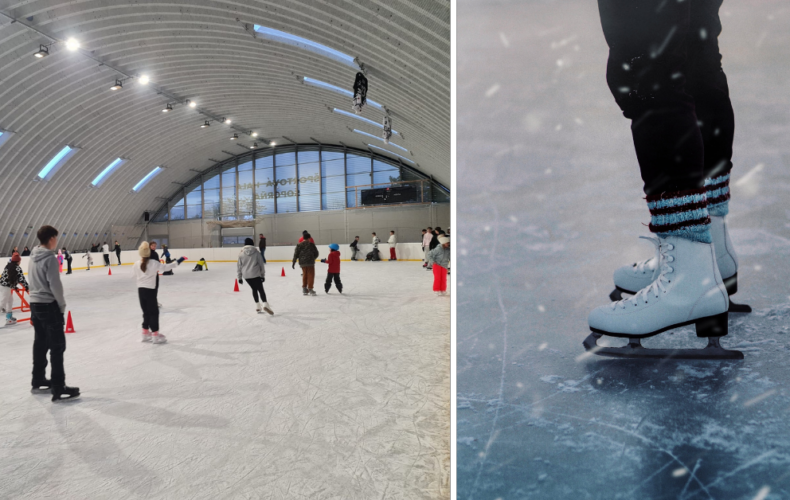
[[60, 261], [145, 272], [306, 253], [333, 272], [262, 246], [68, 258], [168, 260], [88, 260], [155, 256], [354, 248], [434, 242], [682, 127], [306, 235], [105, 250], [427, 236], [47, 306], [11, 277], [392, 242], [200, 265], [117, 250], [250, 267], [374, 254], [439, 258]]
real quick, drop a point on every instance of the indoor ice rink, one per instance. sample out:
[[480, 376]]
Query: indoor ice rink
[[197, 125]]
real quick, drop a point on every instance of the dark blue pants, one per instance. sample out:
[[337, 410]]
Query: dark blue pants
[[49, 337]]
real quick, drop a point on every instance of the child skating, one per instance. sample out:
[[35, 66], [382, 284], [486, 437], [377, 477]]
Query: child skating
[[306, 253], [145, 272], [89, 260], [251, 267], [12, 275], [200, 265], [333, 260], [439, 258]]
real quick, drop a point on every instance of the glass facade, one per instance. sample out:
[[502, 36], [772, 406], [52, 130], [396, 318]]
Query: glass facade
[[288, 179]]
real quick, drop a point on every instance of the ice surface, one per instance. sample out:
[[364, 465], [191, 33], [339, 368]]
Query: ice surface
[[335, 396], [551, 203]]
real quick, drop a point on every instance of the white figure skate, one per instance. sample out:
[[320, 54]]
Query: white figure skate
[[158, 338], [258, 307], [267, 308], [687, 290], [147, 337], [629, 279]]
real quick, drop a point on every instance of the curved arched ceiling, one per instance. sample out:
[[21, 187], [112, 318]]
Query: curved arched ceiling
[[206, 51]]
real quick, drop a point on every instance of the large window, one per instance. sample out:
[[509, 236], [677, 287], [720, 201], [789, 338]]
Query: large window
[[288, 179]]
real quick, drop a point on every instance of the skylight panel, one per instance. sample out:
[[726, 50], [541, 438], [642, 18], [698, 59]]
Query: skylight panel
[[303, 43], [327, 86], [357, 117], [153, 173], [99, 180], [390, 152], [380, 139], [56, 162]]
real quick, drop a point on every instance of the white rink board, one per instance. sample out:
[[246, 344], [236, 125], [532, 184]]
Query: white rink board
[[336, 396]]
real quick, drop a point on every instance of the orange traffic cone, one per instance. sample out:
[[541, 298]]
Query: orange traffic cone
[[110, 273], [283, 274], [235, 285], [69, 324]]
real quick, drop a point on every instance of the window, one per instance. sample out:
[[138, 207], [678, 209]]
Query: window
[[108, 170], [357, 174], [384, 173], [309, 181], [245, 190], [4, 136], [140, 185], [195, 203], [285, 170], [333, 180], [56, 162], [177, 210], [228, 209], [211, 197], [264, 185]]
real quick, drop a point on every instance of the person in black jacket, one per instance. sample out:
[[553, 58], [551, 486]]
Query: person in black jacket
[[434, 243], [117, 249], [68, 258], [26, 252], [155, 256], [354, 248], [262, 246]]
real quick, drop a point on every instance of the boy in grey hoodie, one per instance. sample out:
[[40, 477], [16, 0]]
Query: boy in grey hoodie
[[47, 305]]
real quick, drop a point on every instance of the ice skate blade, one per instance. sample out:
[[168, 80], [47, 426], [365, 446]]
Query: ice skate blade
[[636, 351], [64, 398], [739, 308]]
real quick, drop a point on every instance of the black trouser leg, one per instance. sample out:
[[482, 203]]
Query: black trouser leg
[[328, 282], [68, 262], [118, 254], [256, 284], [646, 73], [49, 336], [106, 259], [338, 284], [150, 308]]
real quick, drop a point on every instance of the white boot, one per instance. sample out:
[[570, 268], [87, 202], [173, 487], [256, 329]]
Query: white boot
[[637, 276], [688, 288], [268, 308], [147, 337], [258, 307], [158, 338]]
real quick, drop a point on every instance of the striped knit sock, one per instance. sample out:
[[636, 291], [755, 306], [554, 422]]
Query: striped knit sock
[[718, 193], [680, 213]]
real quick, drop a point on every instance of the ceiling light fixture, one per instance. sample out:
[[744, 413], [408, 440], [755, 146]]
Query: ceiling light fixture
[[254, 134], [205, 124], [144, 79], [254, 145], [168, 108], [72, 44], [118, 85], [43, 51], [192, 104], [235, 137], [226, 121], [272, 143]]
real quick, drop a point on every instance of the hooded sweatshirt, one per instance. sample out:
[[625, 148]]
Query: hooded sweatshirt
[[250, 263], [393, 240], [306, 253], [44, 277], [440, 256]]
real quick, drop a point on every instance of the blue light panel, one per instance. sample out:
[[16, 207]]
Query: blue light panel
[[390, 152], [304, 43], [357, 117], [380, 139], [106, 172], [347, 93], [56, 162], [153, 173]]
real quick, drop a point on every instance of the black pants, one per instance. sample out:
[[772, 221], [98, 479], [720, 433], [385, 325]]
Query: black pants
[[168, 260], [150, 308], [118, 254], [257, 289], [665, 73], [68, 263], [106, 259], [49, 336], [329, 278]]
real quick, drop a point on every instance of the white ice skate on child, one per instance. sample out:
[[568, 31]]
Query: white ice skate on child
[[158, 338], [147, 337], [629, 279], [258, 307], [268, 308], [688, 290]]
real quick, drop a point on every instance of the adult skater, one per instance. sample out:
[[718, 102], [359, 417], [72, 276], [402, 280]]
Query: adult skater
[[439, 257], [47, 305], [262, 246], [117, 250], [26, 252], [665, 73], [68, 258], [145, 272], [94, 247], [354, 248], [105, 250], [306, 253], [250, 267], [12, 275], [392, 242], [305, 234], [427, 236], [333, 272], [155, 256]]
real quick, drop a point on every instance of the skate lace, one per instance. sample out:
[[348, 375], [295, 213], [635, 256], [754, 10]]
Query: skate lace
[[640, 266], [659, 285]]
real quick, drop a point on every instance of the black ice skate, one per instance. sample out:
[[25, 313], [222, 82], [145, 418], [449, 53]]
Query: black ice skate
[[41, 385], [65, 392]]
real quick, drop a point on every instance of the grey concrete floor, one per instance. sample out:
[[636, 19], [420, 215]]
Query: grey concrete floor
[[549, 204]]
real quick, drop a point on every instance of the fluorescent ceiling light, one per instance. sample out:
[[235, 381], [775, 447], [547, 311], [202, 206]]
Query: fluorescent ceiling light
[[323, 85], [107, 171], [357, 117], [72, 44], [144, 79], [55, 163], [192, 104], [153, 173], [4, 136], [380, 139], [303, 43], [390, 152]]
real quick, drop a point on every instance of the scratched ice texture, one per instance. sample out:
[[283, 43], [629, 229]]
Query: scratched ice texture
[[550, 203], [334, 397]]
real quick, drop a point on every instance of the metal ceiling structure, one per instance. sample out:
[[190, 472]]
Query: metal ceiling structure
[[208, 52]]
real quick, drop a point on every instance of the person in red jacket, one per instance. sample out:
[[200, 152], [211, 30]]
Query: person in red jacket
[[334, 268], [302, 238]]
